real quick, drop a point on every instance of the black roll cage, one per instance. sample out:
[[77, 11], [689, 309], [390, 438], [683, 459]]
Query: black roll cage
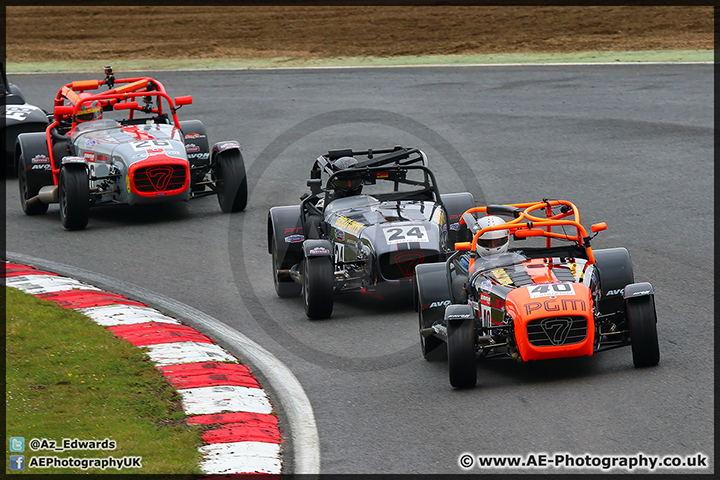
[[393, 162]]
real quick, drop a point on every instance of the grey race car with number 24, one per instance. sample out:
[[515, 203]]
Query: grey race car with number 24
[[341, 238]]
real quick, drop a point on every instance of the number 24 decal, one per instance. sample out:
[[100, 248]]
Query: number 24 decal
[[405, 234]]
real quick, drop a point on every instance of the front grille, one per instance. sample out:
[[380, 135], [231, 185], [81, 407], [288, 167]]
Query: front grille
[[159, 178], [552, 331], [401, 264]]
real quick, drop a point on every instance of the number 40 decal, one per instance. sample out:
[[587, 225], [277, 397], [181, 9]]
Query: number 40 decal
[[551, 289], [405, 234]]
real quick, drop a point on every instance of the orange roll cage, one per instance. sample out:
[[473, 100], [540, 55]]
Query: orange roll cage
[[528, 225]]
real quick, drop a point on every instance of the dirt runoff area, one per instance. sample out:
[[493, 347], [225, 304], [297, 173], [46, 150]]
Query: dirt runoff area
[[49, 33]]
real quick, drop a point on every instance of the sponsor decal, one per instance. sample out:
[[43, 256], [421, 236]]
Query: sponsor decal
[[454, 227], [45, 166], [89, 156], [444, 303], [550, 290], [292, 230], [319, 251], [382, 175], [40, 159], [644, 292], [194, 135], [349, 225], [90, 143], [405, 234], [556, 305], [438, 217], [485, 299], [611, 293], [459, 315], [228, 145], [502, 276], [339, 235], [199, 156], [140, 155], [127, 183], [102, 158], [192, 148], [339, 253], [294, 238], [486, 286]]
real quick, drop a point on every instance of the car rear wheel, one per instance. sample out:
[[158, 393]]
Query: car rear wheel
[[643, 331], [318, 287], [74, 197], [230, 181], [284, 287], [461, 354], [27, 192]]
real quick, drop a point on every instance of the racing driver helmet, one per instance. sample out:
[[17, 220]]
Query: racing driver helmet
[[346, 185], [493, 241], [89, 112]]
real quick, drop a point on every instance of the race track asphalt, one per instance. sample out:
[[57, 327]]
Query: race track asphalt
[[631, 145]]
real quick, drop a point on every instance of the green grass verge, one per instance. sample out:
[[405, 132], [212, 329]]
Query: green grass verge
[[67, 377], [409, 60]]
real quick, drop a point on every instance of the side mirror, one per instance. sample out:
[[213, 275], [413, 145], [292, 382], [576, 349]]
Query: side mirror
[[463, 246], [598, 227], [315, 185], [63, 111], [470, 221], [126, 106], [186, 100]]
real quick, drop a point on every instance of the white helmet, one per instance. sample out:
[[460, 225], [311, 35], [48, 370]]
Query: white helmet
[[493, 241]]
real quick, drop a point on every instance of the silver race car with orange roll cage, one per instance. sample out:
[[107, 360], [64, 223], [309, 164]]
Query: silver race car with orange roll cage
[[370, 218], [555, 299], [84, 158]]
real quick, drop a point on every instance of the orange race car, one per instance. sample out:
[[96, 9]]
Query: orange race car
[[552, 298], [124, 145]]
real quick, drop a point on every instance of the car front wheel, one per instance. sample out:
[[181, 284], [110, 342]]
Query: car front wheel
[[318, 287], [74, 197], [643, 331]]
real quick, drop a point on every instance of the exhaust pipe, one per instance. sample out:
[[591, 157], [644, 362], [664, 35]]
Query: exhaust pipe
[[48, 194]]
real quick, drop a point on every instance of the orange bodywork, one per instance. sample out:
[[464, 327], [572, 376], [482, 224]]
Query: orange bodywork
[[541, 302], [552, 318]]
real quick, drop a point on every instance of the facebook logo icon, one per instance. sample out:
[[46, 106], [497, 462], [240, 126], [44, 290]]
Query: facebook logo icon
[[17, 462]]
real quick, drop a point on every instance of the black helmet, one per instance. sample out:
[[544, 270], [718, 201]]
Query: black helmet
[[346, 184]]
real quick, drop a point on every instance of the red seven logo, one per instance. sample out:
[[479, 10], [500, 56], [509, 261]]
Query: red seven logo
[[159, 177]]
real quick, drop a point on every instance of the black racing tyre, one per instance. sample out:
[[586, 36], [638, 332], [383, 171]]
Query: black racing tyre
[[74, 197], [318, 287], [230, 181], [432, 347], [643, 331], [27, 192], [285, 288], [461, 354]]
